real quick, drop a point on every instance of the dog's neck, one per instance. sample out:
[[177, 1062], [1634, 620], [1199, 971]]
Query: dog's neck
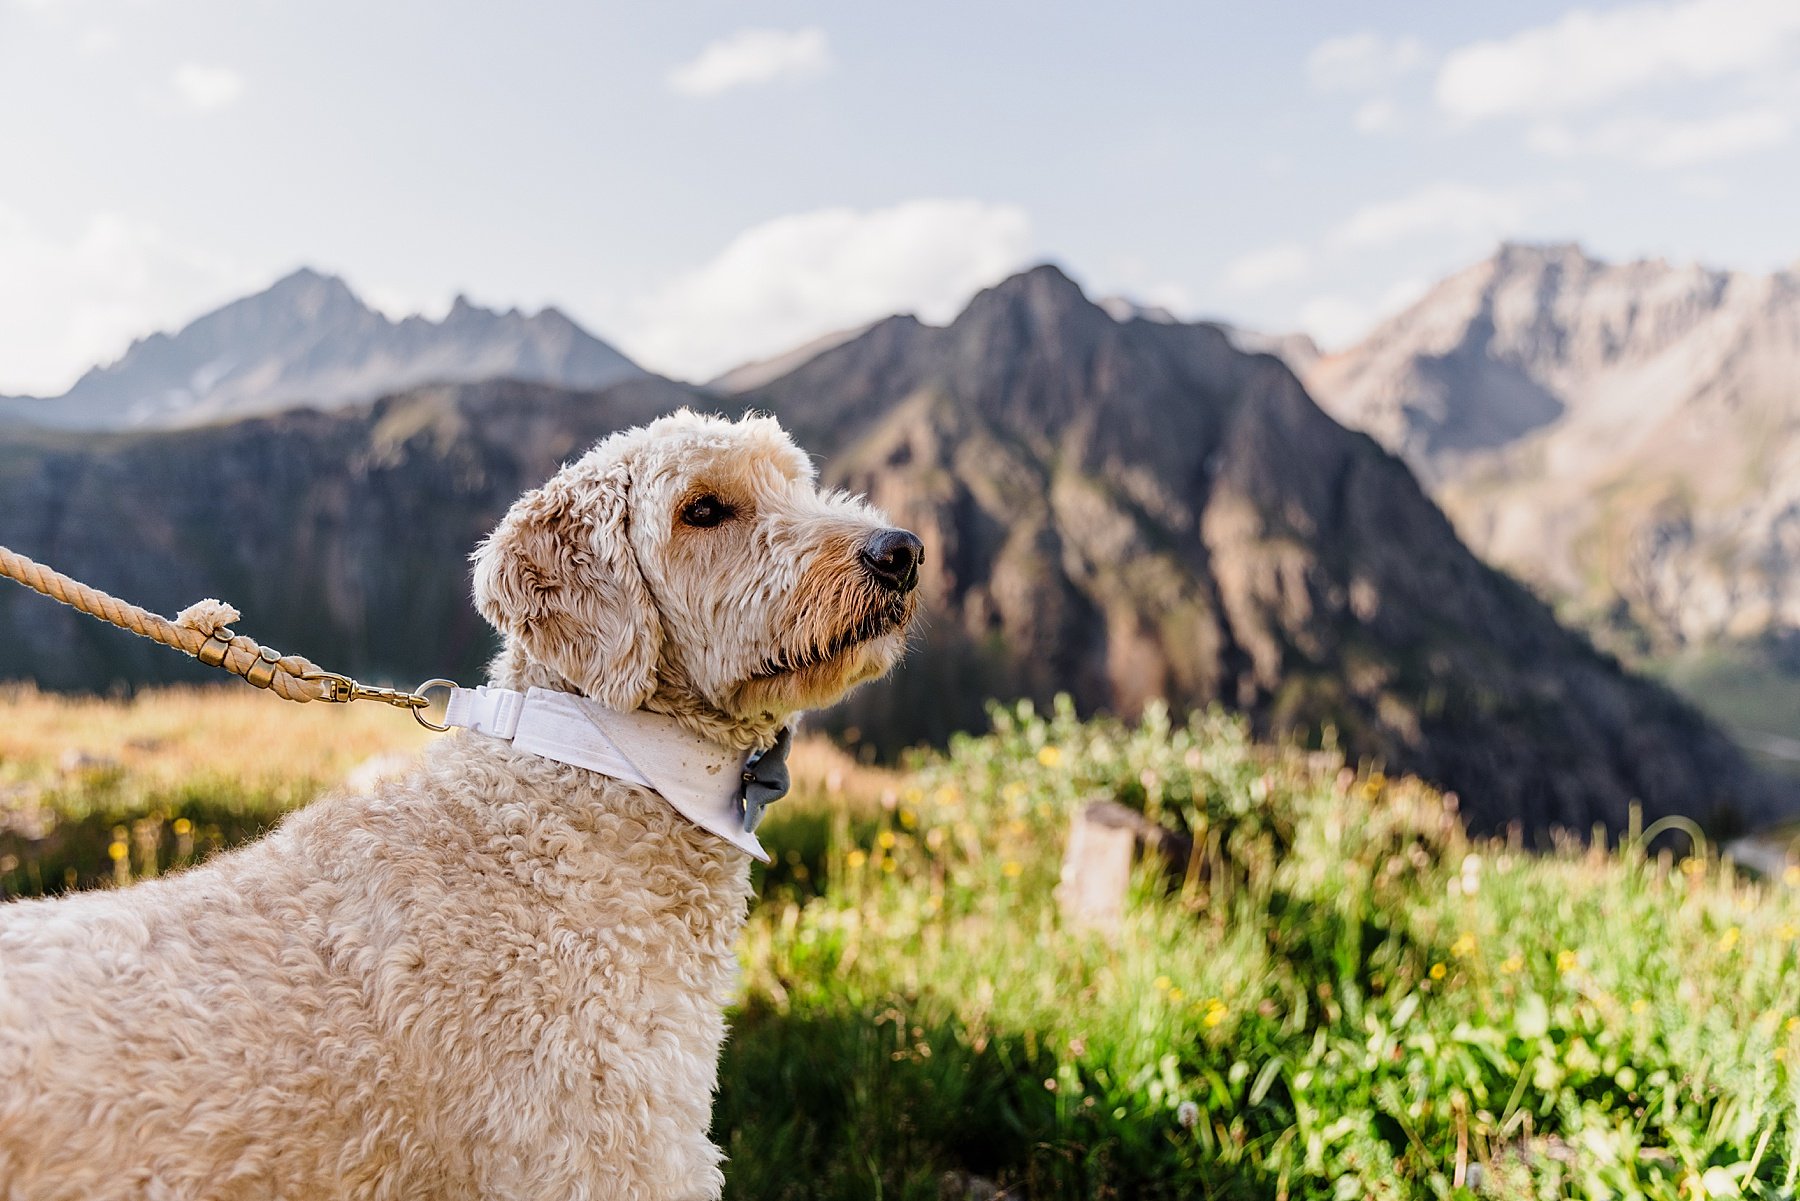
[[513, 668]]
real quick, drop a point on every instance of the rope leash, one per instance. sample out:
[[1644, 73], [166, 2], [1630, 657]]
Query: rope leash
[[201, 631]]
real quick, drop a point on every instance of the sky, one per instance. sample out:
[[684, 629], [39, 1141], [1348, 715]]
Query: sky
[[710, 182]]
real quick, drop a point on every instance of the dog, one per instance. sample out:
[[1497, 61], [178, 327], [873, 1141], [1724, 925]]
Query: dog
[[498, 975]]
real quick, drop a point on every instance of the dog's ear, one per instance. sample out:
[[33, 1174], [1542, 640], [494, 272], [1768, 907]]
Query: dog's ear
[[559, 575]]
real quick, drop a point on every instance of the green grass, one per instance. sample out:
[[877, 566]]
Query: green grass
[[1342, 996]]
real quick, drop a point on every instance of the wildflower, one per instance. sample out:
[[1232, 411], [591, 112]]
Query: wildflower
[[183, 826], [1187, 1114], [1729, 939], [1639, 1005], [1567, 961], [117, 851], [1780, 1054], [887, 865], [855, 859], [886, 839], [1175, 996], [1215, 1013], [1512, 965], [1050, 756], [908, 818], [1791, 1025], [1011, 869], [1463, 947], [1049, 1084], [1438, 971], [1161, 983], [1786, 932]]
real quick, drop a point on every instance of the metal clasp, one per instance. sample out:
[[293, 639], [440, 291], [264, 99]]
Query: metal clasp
[[341, 690]]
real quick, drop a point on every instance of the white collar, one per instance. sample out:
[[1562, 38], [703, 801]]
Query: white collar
[[700, 778]]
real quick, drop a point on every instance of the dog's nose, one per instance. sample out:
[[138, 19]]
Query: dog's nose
[[892, 557]]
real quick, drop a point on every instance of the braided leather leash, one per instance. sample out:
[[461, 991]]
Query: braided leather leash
[[201, 631]]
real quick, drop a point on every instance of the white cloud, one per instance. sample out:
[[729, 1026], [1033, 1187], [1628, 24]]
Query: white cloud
[[1339, 321], [204, 89], [1376, 116], [1362, 62], [1268, 268], [1454, 209], [753, 56], [1588, 58], [794, 278], [69, 303], [1655, 142]]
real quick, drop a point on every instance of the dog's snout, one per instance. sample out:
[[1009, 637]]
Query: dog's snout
[[892, 557]]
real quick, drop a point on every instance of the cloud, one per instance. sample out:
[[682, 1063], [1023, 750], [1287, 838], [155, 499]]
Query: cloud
[[796, 277], [1442, 209], [1268, 268], [1335, 322], [69, 303], [1362, 62], [753, 56], [1589, 58], [205, 89], [1655, 142], [1376, 116]]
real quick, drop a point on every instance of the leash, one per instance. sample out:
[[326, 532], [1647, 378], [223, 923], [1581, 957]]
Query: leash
[[201, 632], [719, 790]]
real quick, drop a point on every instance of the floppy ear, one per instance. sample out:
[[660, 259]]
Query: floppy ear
[[559, 575]]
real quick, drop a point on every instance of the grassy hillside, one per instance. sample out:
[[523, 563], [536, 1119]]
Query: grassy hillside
[[1342, 997]]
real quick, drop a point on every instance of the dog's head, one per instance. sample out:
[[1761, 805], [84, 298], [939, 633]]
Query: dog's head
[[695, 559]]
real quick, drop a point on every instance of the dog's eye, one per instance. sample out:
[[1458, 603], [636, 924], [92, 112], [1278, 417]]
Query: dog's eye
[[706, 512]]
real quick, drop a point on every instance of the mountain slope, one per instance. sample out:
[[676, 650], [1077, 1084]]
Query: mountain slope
[[1625, 436], [1118, 510], [309, 339], [1131, 510]]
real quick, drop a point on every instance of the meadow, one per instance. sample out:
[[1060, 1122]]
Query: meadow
[[1342, 995]]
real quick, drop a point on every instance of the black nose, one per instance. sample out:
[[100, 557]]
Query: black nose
[[892, 557]]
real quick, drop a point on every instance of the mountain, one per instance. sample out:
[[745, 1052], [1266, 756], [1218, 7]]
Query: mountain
[[1118, 510], [1137, 509], [1624, 436], [758, 372], [309, 339]]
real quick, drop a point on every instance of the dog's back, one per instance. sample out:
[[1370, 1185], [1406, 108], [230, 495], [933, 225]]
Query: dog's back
[[477, 980]]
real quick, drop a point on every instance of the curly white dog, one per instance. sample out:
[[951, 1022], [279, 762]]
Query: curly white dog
[[501, 975]]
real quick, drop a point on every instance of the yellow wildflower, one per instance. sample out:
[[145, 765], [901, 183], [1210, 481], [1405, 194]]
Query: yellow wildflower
[[1215, 1013], [1438, 971], [1050, 756], [1792, 1024], [887, 865], [1729, 939], [1463, 946], [886, 839], [1512, 964], [117, 851], [1011, 869], [1161, 983], [183, 826], [908, 818], [855, 859], [1786, 932], [1639, 1005], [1780, 1054], [1567, 961], [1175, 996]]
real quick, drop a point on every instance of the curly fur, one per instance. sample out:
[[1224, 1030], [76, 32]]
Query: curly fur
[[496, 976]]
